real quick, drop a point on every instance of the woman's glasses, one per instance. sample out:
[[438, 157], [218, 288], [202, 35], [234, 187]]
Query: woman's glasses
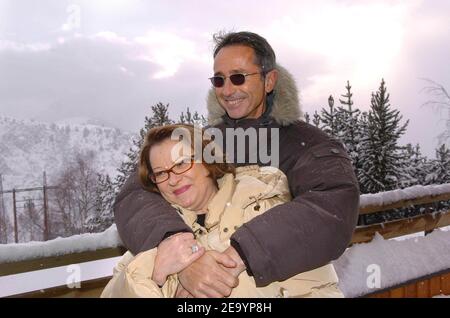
[[178, 168], [236, 79]]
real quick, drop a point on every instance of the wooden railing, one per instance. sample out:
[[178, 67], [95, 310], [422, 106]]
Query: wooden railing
[[425, 223], [421, 287], [422, 223]]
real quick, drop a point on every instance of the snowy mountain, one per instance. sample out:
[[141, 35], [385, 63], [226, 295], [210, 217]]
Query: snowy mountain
[[27, 148]]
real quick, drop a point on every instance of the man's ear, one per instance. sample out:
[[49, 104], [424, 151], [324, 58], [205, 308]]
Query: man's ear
[[271, 80]]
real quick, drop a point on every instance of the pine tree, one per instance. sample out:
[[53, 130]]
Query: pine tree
[[348, 127], [160, 117], [381, 154], [194, 119], [329, 119], [414, 166], [316, 119], [439, 168], [103, 217]]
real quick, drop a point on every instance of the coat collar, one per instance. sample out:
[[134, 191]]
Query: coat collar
[[285, 107], [216, 206], [264, 183]]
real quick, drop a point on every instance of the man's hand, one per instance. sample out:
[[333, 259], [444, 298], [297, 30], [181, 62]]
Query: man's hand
[[174, 254], [240, 266], [209, 277]]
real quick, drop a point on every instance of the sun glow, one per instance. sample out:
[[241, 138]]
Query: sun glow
[[358, 42]]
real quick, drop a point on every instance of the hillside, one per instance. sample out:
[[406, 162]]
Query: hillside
[[27, 148]]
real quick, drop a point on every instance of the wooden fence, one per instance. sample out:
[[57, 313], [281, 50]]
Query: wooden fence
[[433, 285]]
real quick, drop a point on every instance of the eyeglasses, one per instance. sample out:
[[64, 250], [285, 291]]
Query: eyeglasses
[[236, 79], [178, 168]]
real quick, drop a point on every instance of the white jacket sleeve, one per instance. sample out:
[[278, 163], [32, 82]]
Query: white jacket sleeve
[[133, 278]]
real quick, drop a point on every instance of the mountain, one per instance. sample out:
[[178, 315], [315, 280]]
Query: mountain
[[28, 147]]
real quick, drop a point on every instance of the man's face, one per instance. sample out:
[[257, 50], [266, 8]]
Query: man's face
[[246, 100]]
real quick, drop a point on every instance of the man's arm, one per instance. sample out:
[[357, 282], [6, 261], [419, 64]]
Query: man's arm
[[143, 218], [314, 228]]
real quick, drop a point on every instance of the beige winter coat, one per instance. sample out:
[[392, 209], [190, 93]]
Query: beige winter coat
[[253, 191]]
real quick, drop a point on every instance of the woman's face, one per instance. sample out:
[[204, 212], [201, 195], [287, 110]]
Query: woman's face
[[192, 189]]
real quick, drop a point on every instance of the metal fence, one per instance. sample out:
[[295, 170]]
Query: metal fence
[[32, 200]]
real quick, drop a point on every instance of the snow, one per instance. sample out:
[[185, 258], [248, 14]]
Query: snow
[[60, 246], [398, 261], [414, 192], [52, 146]]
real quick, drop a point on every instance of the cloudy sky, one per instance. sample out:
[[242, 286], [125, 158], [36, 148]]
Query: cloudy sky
[[112, 59]]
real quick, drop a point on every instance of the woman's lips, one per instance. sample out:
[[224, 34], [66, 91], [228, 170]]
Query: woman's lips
[[181, 190]]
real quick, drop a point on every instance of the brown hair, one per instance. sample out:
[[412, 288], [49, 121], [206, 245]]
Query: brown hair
[[159, 134]]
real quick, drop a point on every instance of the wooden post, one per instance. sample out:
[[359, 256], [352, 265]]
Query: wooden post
[[45, 209], [3, 223], [16, 232]]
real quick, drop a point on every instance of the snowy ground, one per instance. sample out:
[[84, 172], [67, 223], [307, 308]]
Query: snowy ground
[[363, 268]]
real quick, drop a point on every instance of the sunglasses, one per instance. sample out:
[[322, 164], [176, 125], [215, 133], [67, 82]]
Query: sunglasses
[[236, 79]]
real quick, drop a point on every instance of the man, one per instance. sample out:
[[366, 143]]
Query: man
[[252, 92]]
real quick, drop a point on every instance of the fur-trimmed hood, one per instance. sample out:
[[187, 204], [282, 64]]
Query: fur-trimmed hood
[[285, 109]]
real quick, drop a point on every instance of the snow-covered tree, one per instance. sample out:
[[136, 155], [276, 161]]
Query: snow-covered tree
[[349, 130], [380, 153], [103, 216], [329, 119], [160, 117], [3, 230], [414, 166], [31, 222], [75, 198], [439, 168]]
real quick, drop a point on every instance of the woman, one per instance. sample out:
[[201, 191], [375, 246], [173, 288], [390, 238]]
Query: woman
[[214, 199]]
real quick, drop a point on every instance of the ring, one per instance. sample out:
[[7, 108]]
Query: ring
[[194, 248]]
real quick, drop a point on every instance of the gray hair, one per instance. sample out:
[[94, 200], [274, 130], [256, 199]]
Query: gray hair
[[265, 56]]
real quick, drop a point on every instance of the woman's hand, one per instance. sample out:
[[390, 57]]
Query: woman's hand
[[174, 254]]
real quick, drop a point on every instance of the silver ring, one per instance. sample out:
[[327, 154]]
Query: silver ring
[[194, 248]]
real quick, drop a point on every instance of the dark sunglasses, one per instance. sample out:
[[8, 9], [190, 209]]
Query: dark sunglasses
[[236, 79]]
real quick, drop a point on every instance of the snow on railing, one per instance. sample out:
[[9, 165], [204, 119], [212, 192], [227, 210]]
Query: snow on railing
[[394, 196], [380, 264], [60, 246]]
